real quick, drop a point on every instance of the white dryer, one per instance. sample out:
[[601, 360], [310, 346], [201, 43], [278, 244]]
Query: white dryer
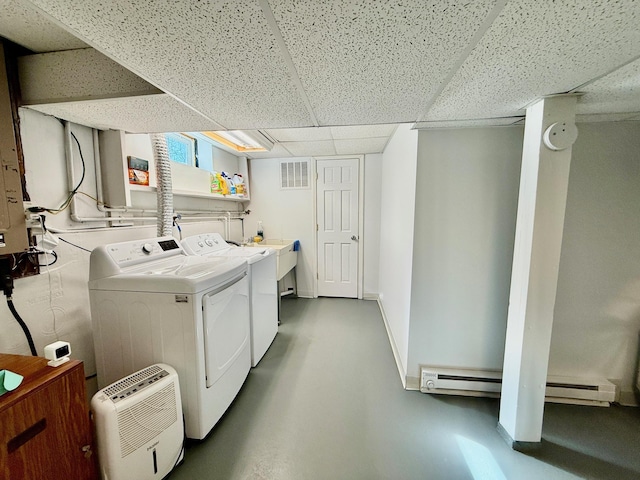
[[153, 303], [263, 286]]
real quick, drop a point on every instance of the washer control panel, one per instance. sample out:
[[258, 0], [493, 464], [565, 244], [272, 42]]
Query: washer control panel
[[123, 253], [204, 244]]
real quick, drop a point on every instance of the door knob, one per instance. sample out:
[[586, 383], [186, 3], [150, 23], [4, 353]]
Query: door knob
[[354, 238]]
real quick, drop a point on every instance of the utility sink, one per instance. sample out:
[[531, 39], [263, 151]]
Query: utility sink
[[286, 257]]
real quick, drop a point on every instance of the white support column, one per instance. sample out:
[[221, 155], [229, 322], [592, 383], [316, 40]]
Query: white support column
[[549, 134]]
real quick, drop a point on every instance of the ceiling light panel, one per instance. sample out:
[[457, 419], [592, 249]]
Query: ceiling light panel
[[617, 92], [151, 113], [536, 48], [370, 62], [278, 151], [219, 57], [23, 24]]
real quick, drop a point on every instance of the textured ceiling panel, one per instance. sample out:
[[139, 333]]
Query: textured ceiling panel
[[362, 131], [607, 117], [356, 146], [26, 26], [300, 134], [76, 75], [537, 48], [303, 149], [365, 62], [484, 122], [278, 151], [220, 57], [151, 113], [617, 92]]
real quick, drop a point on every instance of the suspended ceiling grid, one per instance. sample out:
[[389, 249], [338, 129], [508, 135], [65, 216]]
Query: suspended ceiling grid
[[282, 64]]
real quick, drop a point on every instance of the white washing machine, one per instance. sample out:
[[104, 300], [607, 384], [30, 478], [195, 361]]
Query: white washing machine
[[153, 303], [263, 286]]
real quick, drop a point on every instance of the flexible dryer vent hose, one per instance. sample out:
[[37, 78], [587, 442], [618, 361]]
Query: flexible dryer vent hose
[[163, 181]]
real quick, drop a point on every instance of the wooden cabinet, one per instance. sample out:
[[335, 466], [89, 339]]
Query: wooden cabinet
[[45, 430]]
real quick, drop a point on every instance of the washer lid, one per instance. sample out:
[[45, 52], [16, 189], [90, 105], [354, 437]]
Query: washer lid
[[182, 274]]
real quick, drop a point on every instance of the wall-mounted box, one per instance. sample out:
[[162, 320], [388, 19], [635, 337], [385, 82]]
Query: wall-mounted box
[[114, 169]]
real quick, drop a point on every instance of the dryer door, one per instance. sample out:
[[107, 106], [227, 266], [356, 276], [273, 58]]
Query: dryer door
[[226, 327]]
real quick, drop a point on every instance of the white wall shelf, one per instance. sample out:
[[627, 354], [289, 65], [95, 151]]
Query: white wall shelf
[[189, 193], [187, 181]]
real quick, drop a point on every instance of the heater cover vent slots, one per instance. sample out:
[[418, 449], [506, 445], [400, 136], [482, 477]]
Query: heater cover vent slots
[[488, 383]]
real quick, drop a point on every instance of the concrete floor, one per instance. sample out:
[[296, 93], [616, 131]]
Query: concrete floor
[[326, 402]]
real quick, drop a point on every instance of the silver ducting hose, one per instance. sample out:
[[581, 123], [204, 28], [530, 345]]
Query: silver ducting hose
[[163, 184]]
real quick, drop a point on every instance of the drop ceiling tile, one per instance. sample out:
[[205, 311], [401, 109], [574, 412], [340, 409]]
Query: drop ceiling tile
[[606, 117], [356, 146], [306, 149], [71, 75], [537, 48], [220, 57], [151, 113], [278, 151], [362, 131], [468, 123], [371, 62], [616, 92], [300, 134], [23, 24]]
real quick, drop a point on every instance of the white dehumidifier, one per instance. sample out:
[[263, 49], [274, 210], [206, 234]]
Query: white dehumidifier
[[139, 426]]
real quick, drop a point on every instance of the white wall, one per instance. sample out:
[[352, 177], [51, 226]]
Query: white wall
[[371, 236], [396, 237], [597, 312], [55, 304], [464, 231], [285, 214]]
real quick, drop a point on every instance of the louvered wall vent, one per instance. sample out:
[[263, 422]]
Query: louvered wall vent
[[294, 175]]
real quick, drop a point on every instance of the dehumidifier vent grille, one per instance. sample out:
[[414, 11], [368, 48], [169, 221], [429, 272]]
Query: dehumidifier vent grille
[[132, 380], [147, 419]]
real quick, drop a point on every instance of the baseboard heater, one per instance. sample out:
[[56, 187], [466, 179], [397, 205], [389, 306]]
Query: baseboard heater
[[487, 383]]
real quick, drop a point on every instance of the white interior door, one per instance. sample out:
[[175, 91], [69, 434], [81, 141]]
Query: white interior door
[[337, 205]]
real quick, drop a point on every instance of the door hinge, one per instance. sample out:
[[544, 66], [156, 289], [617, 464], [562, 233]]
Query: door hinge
[[317, 228]]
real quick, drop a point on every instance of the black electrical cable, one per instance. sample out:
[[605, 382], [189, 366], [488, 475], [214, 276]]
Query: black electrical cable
[[55, 259], [25, 329], [6, 283], [73, 192], [74, 245]]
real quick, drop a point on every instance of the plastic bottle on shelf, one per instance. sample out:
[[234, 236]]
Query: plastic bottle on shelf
[[260, 232]]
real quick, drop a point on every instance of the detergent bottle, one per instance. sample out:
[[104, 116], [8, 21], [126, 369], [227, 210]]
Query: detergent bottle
[[224, 186], [260, 232]]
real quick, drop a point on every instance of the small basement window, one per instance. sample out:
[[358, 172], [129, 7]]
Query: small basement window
[[181, 148]]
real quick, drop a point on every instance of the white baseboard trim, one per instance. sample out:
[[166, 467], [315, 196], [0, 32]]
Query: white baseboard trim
[[394, 349], [413, 383], [371, 296]]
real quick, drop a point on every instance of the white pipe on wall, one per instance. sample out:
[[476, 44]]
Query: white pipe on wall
[[68, 150]]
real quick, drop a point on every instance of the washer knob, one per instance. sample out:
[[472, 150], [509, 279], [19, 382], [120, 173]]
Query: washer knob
[[147, 248], [209, 242]]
